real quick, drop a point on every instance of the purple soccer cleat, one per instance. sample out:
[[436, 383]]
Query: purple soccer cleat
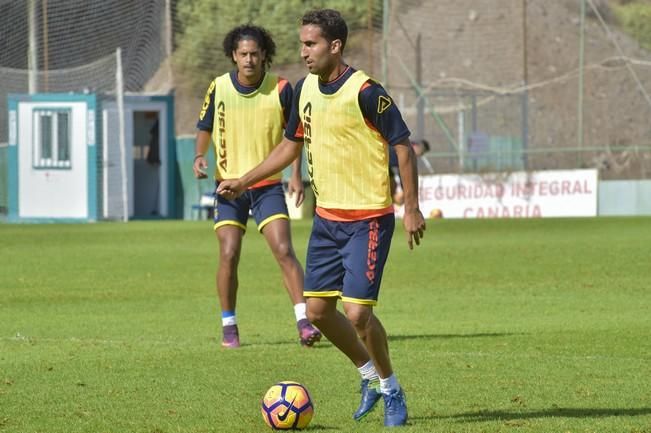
[[307, 333], [231, 339]]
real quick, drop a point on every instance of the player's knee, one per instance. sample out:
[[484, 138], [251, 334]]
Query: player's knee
[[229, 254], [359, 317], [286, 257], [316, 316], [283, 251], [317, 312]]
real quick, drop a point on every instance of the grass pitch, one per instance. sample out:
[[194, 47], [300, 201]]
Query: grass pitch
[[495, 326]]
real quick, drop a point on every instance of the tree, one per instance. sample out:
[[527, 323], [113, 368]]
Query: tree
[[204, 23]]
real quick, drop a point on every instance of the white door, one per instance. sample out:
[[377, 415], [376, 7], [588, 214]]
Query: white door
[[53, 160]]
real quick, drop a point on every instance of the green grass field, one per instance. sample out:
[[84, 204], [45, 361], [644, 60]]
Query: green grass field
[[495, 326]]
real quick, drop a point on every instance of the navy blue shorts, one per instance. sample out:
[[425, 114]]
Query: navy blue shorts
[[346, 259], [266, 204]]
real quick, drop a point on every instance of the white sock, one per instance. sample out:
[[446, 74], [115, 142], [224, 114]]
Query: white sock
[[389, 385], [368, 371], [300, 311], [230, 320]]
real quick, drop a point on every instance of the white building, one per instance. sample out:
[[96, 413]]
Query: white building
[[66, 161]]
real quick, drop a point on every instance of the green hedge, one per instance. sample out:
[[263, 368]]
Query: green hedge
[[635, 19]]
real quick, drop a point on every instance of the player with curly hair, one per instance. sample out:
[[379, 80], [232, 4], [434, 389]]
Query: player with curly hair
[[244, 113]]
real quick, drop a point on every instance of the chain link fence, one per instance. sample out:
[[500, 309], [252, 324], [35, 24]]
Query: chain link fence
[[499, 85], [521, 85]]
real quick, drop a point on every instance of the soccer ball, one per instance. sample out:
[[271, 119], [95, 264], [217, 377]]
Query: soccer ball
[[436, 213], [287, 405]]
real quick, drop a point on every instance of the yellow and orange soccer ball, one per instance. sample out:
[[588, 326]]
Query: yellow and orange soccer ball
[[436, 213], [287, 405]]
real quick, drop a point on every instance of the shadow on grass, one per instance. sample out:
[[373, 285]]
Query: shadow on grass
[[325, 343], [559, 412], [248, 345], [448, 336], [322, 427]]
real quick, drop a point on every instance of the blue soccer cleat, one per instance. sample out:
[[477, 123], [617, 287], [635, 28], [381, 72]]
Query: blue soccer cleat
[[395, 409], [370, 395]]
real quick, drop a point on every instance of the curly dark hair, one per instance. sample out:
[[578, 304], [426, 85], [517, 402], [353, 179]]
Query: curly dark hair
[[249, 31], [332, 24]]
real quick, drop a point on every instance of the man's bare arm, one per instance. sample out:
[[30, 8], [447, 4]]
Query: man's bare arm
[[413, 220], [279, 158]]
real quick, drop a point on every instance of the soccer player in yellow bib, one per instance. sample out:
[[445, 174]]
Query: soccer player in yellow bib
[[244, 113], [346, 123]]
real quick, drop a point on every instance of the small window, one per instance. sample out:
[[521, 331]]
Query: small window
[[52, 139]]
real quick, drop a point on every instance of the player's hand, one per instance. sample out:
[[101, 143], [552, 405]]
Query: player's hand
[[414, 224], [199, 167], [295, 185], [230, 189]]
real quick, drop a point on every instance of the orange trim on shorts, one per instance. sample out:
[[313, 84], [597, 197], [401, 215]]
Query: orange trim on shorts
[[348, 215]]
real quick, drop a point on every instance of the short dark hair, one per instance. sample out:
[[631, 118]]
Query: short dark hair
[[332, 24], [249, 31]]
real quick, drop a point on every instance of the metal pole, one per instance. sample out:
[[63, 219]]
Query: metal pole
[[46, 54], [420, 106], [169, 42], [525, 66], [385, 41], [460, 133], [473, 113], [525, 93], [581, 83], [32, 52], [371, 47], [525, 129], [119, 95]]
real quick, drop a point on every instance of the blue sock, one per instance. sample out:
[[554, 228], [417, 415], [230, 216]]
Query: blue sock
[[228, 318]]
